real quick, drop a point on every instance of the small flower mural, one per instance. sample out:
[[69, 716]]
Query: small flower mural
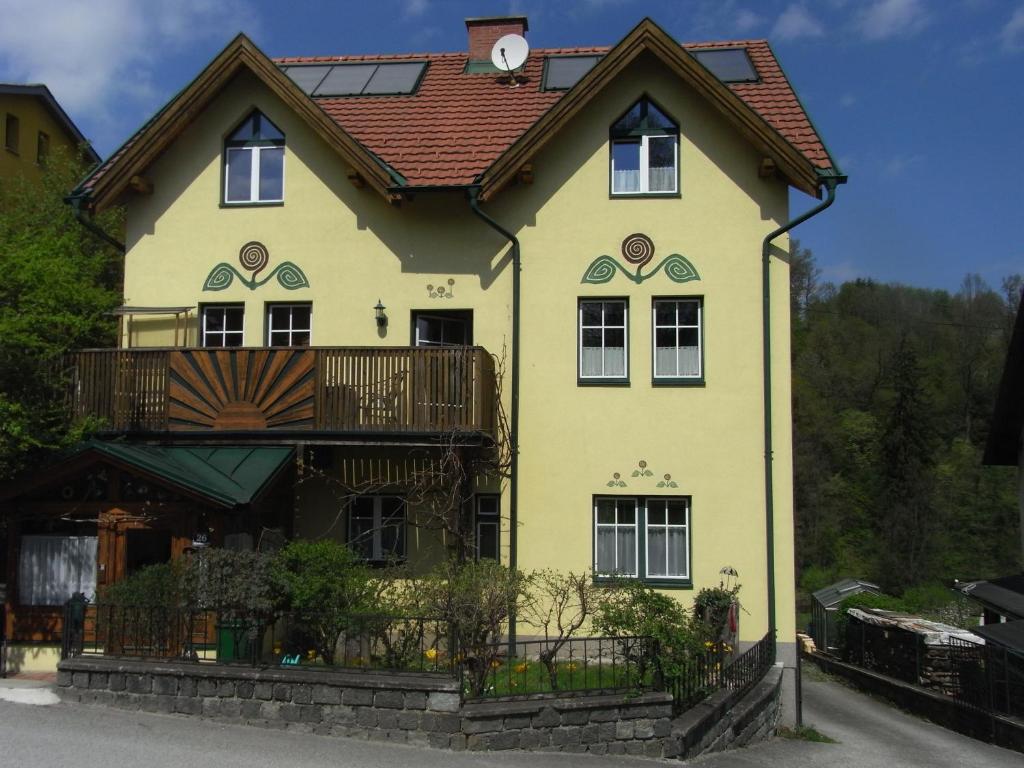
[[616, 481], [441, 291], [642, 470]]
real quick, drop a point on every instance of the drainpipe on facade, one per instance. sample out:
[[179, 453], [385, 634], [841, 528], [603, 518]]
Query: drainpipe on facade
[[830, 182], [474, 204], [75, 201]]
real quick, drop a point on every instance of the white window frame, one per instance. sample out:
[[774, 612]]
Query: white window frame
[[645, 173], [700, 337], [377, 547], [254, 178], [224, 334], [482, 519], [291, 329], [615, 377], [666, 527], [616, 526]]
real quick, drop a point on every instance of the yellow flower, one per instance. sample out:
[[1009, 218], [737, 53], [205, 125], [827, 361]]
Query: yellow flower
[[708, 644], [311, 654], [431, 654], [571, 666], [495, 663], [522, 667]]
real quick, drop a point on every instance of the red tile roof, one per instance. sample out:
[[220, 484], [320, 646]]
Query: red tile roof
[[457, 124]]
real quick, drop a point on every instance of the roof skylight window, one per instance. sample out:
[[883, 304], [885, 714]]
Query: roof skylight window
[[563, 72]]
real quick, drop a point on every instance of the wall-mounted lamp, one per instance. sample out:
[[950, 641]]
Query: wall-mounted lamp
[[382, 319]]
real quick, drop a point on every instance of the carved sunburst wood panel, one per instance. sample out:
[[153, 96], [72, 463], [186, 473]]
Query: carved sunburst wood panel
[[241, 389]]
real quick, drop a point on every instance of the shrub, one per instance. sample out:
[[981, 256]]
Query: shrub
[[155, 586], [562, 602], [475, 598], [711, 607], [326, 586], [628, 607], [232, 582]]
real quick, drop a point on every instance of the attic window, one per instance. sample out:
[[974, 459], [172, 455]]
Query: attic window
[[391, 78], [645, 152], [563, 72], [730, 65], [254, 162]]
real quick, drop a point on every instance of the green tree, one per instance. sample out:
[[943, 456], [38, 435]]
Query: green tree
[[57, 285]]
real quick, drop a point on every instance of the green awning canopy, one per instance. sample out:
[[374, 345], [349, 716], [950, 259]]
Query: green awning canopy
[[230, 476]]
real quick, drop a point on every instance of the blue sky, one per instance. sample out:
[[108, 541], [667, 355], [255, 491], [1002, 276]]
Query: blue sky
[[919, 100]]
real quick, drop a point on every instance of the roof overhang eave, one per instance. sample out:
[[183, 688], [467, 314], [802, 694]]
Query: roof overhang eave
[[792, 164], [140, 151]]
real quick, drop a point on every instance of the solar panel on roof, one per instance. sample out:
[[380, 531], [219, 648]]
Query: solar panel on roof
[[307, 78], [563, 72], [345, 80], [730, 65], [400, 77], [371, 78]]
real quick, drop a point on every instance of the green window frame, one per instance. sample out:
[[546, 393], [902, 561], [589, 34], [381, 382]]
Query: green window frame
[[677, 340], [649, 538]]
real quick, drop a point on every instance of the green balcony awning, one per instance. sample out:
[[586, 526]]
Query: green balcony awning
[[229, 476]]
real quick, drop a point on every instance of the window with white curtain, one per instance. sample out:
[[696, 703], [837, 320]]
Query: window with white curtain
[[52, 568], [603, 334], [644, 152], [677, 338], [644, 537], [615, 526]]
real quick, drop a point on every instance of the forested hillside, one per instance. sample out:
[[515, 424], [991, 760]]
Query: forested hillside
[[893, 391]]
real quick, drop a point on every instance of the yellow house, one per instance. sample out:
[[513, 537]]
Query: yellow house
[[560, 294], [32, 127]]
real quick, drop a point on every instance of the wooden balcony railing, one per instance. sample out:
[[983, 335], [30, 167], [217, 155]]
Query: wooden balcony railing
[[326, 389]]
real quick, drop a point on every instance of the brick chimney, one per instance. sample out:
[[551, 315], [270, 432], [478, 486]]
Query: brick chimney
[[485, 31]]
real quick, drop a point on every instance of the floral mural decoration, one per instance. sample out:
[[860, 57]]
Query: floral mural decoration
[[638, 250], [254, 258], [441, 291]]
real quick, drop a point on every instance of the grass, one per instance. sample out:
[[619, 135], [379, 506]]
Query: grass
[[804, 733], [518, 677]]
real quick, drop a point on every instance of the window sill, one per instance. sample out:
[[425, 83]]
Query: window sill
[[653, 581], [678, 382], [271, 204], [643, 195], [14, 152], [602, 382]]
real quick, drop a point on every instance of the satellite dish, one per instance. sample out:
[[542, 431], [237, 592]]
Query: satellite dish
[[510, 53]]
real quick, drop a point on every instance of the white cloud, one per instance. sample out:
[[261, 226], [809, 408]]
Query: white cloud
[[847, 100], [746, 20], [1012, 34], [900, 164], [796, 22], [885, 19], [414, 8], [100, 58]]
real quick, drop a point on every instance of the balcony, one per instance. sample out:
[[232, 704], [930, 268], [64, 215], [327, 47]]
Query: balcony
[[390, 391]]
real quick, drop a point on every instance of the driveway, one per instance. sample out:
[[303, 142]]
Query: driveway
[[871, 734]]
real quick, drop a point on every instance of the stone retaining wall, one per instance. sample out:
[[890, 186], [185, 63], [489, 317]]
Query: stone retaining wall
[[721, 722], [423, 710]]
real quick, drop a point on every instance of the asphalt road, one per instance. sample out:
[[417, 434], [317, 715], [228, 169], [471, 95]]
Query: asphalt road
[[871, 735]]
